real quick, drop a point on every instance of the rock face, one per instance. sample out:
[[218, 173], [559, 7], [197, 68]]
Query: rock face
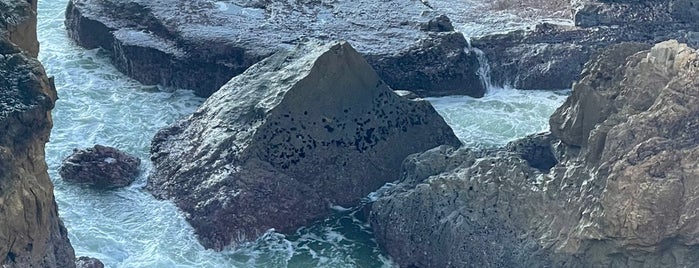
[[623, 192], [31, 233], [87, 262], [100, 166], [552, 56], [301, 130], [201, 44], [18, 24]]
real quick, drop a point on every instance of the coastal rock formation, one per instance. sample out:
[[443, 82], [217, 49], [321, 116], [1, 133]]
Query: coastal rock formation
[[31, 233], [201, 44], [100, 166], [552, 56], [277, 145], [18, 24], [623, 191], [87, 262]]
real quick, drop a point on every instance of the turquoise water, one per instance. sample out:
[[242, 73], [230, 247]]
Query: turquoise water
[[129, 228]]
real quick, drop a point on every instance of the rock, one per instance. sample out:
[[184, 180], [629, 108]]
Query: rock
[[100, 166], [31, 232], [201, 44], [18, 24], [623, 194], [302, 129], [552, 56], [87, 262]]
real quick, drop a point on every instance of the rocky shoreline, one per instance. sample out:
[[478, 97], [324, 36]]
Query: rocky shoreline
[[621, 193]]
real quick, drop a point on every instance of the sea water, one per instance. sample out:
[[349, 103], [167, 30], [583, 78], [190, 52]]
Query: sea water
[[129, 228]]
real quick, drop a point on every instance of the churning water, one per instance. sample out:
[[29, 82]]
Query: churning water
[[129, 228]]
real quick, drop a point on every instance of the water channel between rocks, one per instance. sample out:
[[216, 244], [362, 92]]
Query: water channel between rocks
[[130, 228]]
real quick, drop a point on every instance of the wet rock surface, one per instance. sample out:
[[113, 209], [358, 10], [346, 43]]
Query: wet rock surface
[[552, 56], [31, 233], [87, 262], [303, 129], [100, 166], [201, 44], [622, 194]]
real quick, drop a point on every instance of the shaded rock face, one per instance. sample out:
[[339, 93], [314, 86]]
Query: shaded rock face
[[201, 44], [278, 144], [552, 56], [31, 233], [100, 166], [18, 24], [622, 194]]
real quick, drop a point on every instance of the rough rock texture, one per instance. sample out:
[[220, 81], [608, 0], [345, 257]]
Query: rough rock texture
[[278, 144], [18, 24], [201, 44], [552, 56], [100, 166], [87, 262], [623, 193], [31, 233]]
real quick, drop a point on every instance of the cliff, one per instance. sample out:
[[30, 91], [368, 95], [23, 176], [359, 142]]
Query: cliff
[[31, 233], [622, 191]]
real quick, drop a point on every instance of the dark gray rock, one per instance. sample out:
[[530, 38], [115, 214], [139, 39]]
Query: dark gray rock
[[87, 262], [552, 56], [201, 44], [278, 144], [31, 232], [100, 166], [623, 195]]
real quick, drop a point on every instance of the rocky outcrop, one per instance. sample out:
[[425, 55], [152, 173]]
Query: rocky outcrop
[[201, 44], [278, 144], [100, 166], [552, 56], [31, 233], [622, 193], [18, 24]]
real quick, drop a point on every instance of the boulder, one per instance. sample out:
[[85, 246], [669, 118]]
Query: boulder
[[277, 145], [201, 44], [31, 232], [622, 192], [100, 166], [87, 262]]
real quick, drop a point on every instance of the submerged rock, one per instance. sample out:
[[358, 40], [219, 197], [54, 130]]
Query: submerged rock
[[280, 143], [201, 44], [31, 232], [622, 194], [100, 166]]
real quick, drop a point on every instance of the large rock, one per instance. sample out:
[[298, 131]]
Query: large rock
[[100, 166], [201, 44], [31, 233], [622, 194], [301, 130], [18, 24], [552, 56]]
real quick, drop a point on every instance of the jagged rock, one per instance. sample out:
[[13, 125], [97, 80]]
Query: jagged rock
[[100, 166], [31, 233], [552, 56], [18, 24], [201, 44], [87, 262], [301, 130], [625, 197]]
